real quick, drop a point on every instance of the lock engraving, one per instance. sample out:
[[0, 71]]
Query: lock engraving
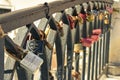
[[31, 62]]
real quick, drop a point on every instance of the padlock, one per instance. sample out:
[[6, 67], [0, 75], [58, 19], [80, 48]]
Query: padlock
[[90, 17], [27, 59], [100, 16], [80, 20], [106, 21], [106, 13], [35, 46], [95, 12], [86, 42], [81, 17], [75, 74], [78, 48], [96, 31], [71, 21], [47, 30], [110, 10], [95, 37], [31, 62], [43, 38], [60, 27]]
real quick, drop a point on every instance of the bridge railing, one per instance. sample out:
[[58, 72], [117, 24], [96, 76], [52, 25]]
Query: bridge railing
[[77, 32]]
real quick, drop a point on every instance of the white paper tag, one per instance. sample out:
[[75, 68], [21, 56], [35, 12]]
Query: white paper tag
[[31, 62]]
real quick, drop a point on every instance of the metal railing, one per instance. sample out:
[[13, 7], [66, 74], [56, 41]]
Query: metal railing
[[64, 32]]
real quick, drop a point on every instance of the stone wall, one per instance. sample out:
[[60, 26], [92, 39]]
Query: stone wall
[[115, 36]]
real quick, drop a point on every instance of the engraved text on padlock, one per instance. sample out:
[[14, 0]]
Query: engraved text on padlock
[[31, 62]]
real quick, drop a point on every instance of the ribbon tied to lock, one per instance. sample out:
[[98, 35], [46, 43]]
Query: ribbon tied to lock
[[86, 42]]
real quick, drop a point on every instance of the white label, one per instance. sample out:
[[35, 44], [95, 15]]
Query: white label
[[31, 62]]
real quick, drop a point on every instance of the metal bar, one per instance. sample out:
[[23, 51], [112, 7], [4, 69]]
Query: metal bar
[[84, 35], [97, 52], [77, 55], [104, 47], [94, 53], [22, 17], [59, 58], [2, 59], [89, 64], [84, 63], [100, 56], [93, 61], [70, 42], [96, 64]]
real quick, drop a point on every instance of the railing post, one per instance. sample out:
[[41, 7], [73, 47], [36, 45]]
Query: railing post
[[1, 54]]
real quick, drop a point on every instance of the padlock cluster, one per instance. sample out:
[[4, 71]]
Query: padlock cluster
[[89, 16]]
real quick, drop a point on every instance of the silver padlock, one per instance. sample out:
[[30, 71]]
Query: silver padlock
[[27, 59], [31, 62]]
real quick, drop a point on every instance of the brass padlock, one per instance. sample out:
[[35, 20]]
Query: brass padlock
[[60, 27], [75, 74], [81, 17], [90, 17], [47, 30], [100, 16], [106, 21], [80, 20], [106, 13], [78, 48], [43, 37]]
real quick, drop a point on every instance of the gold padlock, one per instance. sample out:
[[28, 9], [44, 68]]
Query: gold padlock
[[100, 16], [90, 17], [75, 74], [74, 18], [106, 20], [43, 37], [78, 48], [47, 30], [106, 13], [80, 20], [60, 27]]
